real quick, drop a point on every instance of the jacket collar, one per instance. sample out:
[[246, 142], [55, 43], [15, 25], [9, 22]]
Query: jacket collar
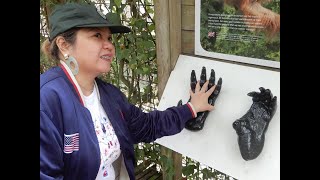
[[75, 84]]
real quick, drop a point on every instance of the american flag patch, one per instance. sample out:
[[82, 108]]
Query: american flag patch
[[71, 143]]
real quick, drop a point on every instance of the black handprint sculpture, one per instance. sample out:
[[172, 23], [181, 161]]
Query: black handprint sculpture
[[196, 124], [252, 126]]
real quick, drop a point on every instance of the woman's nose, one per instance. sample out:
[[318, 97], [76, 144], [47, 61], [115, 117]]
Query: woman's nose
[[107, 44]]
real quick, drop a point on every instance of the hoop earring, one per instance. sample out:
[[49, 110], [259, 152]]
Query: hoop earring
[[72, 64]]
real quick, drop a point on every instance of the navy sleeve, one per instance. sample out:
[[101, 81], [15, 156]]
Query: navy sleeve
[[51, 156], [147, 127]]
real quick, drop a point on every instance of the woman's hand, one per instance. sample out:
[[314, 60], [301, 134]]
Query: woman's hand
[[199, 98]]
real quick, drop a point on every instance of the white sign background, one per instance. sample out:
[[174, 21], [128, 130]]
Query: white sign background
[[216, 144]]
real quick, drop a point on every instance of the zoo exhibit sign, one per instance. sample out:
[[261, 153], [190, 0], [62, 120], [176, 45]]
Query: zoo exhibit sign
[[239, 30]]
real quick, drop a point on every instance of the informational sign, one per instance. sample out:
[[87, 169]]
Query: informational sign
[[239, 30], [216, 145]]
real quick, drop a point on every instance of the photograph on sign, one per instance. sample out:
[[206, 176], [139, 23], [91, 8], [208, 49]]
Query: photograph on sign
[[239, 30]]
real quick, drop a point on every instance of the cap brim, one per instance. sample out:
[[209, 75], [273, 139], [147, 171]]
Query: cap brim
[[113, 28], [119, 29]]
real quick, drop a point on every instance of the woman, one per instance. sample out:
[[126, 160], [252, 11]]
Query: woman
[[87, 126]]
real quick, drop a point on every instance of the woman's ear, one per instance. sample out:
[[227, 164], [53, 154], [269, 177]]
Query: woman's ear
[[62, 45]]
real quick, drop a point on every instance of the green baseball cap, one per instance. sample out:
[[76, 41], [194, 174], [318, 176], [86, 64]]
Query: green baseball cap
[[70, 15]]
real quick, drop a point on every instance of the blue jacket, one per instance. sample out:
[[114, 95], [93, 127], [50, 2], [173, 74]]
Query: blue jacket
[[62, 113]]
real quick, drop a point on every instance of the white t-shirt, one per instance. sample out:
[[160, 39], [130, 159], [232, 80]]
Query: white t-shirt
[[108, 141]]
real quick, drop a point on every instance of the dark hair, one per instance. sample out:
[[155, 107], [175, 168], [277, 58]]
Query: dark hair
[[50, 48]]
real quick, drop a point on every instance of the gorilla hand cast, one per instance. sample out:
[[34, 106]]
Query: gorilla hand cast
[[196, 124]]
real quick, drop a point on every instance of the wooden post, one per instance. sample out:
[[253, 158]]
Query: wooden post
[[175, 45], [187, 26], [162, 43], [168, 44], [168, 38], [175, 31]]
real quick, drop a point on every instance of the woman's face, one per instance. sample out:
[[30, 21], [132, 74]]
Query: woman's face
[[93, 50]]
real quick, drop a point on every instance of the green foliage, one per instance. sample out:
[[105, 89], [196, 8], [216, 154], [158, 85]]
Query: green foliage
[[117, 3], [189, 170], [207, 173]]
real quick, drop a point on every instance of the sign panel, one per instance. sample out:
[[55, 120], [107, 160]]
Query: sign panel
[[239, 30]]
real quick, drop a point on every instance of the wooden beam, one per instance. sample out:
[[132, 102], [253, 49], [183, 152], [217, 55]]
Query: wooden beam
[[189, 2], [175, 31], [187, 42], [188, 17], [168, 44], [175, 45], [162, 43], [187, 27], [177, 165]]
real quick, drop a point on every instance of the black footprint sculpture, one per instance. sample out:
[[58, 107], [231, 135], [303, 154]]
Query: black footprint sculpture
[[252, 126]]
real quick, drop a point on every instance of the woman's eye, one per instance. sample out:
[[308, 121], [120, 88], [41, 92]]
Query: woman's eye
[[110, 38], [98, 35]]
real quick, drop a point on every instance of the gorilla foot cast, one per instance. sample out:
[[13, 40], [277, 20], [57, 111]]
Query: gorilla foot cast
[[252, 126]]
